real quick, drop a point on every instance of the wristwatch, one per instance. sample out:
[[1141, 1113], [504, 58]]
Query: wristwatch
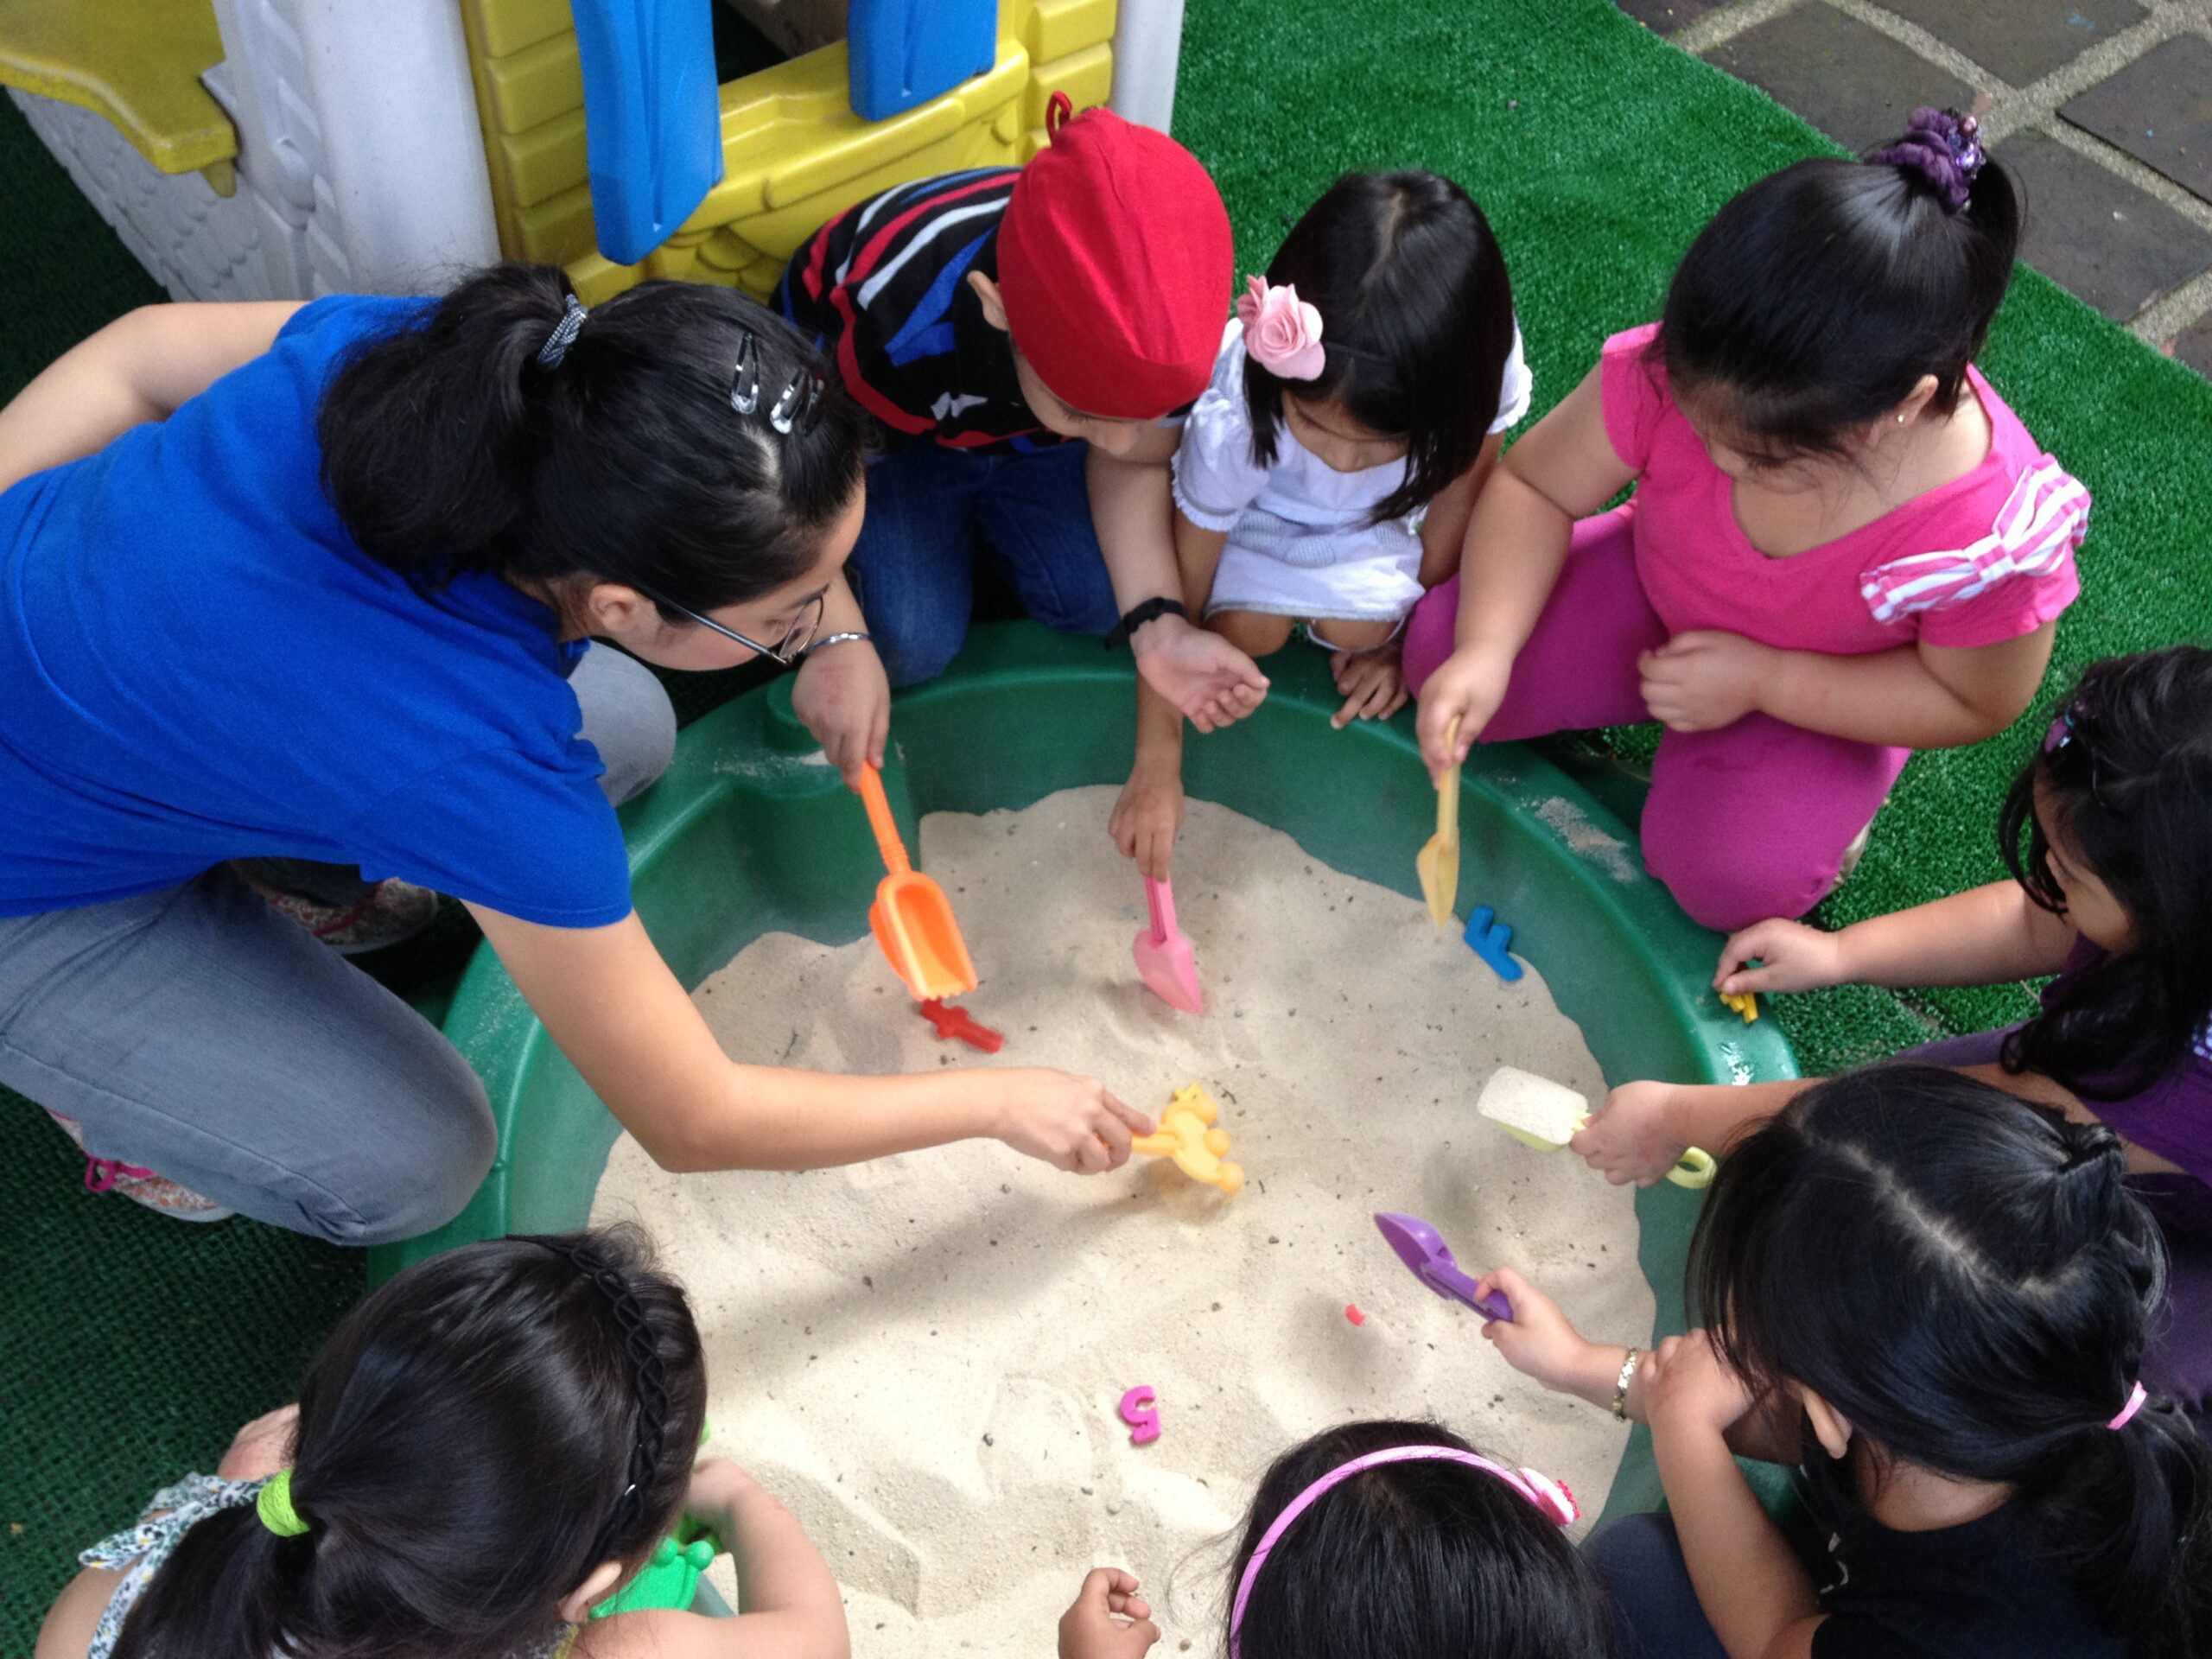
[[1138, 615]]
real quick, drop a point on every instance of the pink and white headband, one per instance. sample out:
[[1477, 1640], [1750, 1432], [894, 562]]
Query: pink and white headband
[[1282, 332], [1550, 1497]]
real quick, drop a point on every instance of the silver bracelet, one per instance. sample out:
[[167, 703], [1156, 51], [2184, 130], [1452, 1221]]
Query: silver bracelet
[[836, 639], [1620, 1384]]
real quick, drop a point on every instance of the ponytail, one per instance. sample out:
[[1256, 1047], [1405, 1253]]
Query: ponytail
[[475, 1438], [1967, 1280], [509, 432]]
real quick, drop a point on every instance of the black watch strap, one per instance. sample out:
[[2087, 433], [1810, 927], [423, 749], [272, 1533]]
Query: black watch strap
[[1138, 615]]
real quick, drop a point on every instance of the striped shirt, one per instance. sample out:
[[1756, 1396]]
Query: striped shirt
[[883, 290]]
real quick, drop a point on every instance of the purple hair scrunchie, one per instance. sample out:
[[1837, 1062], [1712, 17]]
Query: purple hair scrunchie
[[1944, 147]]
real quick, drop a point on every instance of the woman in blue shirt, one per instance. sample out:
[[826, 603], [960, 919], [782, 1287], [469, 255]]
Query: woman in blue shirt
[[316, 583]]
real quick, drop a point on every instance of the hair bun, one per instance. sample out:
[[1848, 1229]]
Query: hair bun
[[1943, 149]]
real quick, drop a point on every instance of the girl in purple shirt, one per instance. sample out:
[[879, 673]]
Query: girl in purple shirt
[[2109, 834]]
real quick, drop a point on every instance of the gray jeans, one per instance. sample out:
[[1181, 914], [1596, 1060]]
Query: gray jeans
[[197, 1033]]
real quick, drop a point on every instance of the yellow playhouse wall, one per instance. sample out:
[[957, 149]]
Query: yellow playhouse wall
[[794, 155]]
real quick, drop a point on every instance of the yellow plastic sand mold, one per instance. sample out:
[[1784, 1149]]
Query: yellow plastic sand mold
[[1546, 1116], [1187, 1134], [1744, 1002]]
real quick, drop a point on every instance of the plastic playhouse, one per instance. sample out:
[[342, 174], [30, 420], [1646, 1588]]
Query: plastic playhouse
[[282, 149]]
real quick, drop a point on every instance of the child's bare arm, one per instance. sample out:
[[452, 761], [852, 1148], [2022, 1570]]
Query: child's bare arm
[[1984, 936], [1443, 527], [789, 1606], [141, 368]]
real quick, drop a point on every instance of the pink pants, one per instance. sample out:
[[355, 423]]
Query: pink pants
[[1745, 823]]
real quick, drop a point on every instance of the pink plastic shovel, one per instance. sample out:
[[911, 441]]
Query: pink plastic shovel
[[1165, 962]]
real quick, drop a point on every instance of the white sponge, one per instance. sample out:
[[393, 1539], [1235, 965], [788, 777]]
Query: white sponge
[[1537, 1109]]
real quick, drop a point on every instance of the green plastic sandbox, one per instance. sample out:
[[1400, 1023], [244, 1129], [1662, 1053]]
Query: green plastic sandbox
[[750, 832]]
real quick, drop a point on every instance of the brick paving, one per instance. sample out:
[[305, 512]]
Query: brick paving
[[2103, 108]]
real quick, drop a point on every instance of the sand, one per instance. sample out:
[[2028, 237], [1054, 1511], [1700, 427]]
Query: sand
[[923, 1355]]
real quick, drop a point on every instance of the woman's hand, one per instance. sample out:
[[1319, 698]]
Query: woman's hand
[[1538, 1341], [1628, 1139], [1468, 686], [1108, 1620], [1371, 683], [1686, 1385], [262, 1447], [1700, 681], [1795, 957], [1071, 1123], [843, 697], [1148, 815]]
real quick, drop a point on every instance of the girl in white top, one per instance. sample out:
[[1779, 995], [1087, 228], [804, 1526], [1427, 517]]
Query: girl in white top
[[1326, 474]]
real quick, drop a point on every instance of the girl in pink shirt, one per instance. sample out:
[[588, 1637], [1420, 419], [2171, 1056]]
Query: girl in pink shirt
[[1843, 546]]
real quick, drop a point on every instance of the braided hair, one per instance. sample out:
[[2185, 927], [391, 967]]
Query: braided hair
[[1967, 1279], [476, 1437]]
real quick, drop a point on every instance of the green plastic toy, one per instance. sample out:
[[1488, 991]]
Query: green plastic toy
[[669, 1582]]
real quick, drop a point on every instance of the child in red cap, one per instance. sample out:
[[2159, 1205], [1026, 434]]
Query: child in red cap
[[1026, 340]]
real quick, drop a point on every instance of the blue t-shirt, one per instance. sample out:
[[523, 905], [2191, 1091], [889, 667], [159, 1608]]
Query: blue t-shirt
[[197, 663]]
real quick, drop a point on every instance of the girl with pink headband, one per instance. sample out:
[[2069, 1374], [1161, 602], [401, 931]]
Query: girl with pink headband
[[1931, 1300], [1384, 1540]]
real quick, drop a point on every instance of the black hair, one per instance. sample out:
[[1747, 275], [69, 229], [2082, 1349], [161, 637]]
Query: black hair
[[1412, 1561], [1814, 303], [2131, 790], [465, 1442], [1416, 323], [449, 448], [1967, 1280]]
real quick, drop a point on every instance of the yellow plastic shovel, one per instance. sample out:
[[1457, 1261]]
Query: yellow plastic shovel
[[1439, 861], [911, 917]]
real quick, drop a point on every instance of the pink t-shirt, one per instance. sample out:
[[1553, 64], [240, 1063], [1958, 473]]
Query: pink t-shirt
[[1988, 557]]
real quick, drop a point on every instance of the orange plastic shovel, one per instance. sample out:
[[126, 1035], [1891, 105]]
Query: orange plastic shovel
[[911, 917]]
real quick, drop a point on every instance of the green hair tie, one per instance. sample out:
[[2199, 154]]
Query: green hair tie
[[274, 1505]]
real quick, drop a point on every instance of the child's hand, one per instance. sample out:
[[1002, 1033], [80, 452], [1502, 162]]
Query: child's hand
[[1700, 681], [262, 1447], [1537, 1341], [1686, 1385], [1146, 817], [1468, 686], [1627, 1138], [1371, 683], [718, 1486], [843, 697], [1109, 1620], [1071, 1123], [1213, 682], [1795, 957]]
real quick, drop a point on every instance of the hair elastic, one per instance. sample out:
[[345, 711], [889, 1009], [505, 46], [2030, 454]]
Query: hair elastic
[[1944, 147], [1550, 1497], [564, 333], [2136, 1397], [273, 1504], [1282, 332]]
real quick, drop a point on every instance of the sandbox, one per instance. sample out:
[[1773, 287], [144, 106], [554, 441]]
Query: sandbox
[[750, 834], [917, 1349]]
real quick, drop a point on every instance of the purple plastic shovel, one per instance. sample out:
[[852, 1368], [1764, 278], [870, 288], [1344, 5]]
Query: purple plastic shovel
[[1421, 1247], [1165, 962]]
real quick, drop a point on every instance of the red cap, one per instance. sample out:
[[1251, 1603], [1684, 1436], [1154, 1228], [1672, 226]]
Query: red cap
[[1115, 262]]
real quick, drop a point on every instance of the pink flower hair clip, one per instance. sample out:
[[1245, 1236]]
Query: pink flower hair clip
[[1282, 334]]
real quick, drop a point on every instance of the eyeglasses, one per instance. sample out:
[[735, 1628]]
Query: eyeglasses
[[2076, 724], [787, 650]]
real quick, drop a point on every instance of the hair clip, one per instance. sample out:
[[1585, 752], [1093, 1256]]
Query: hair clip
[[564, 333], [745, 377], [797, 404]]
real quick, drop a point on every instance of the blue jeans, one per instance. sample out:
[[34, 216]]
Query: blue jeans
[[1655, 1610], [930, 510]]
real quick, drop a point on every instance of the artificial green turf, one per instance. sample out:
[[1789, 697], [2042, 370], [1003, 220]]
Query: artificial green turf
[[131, 1347]]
